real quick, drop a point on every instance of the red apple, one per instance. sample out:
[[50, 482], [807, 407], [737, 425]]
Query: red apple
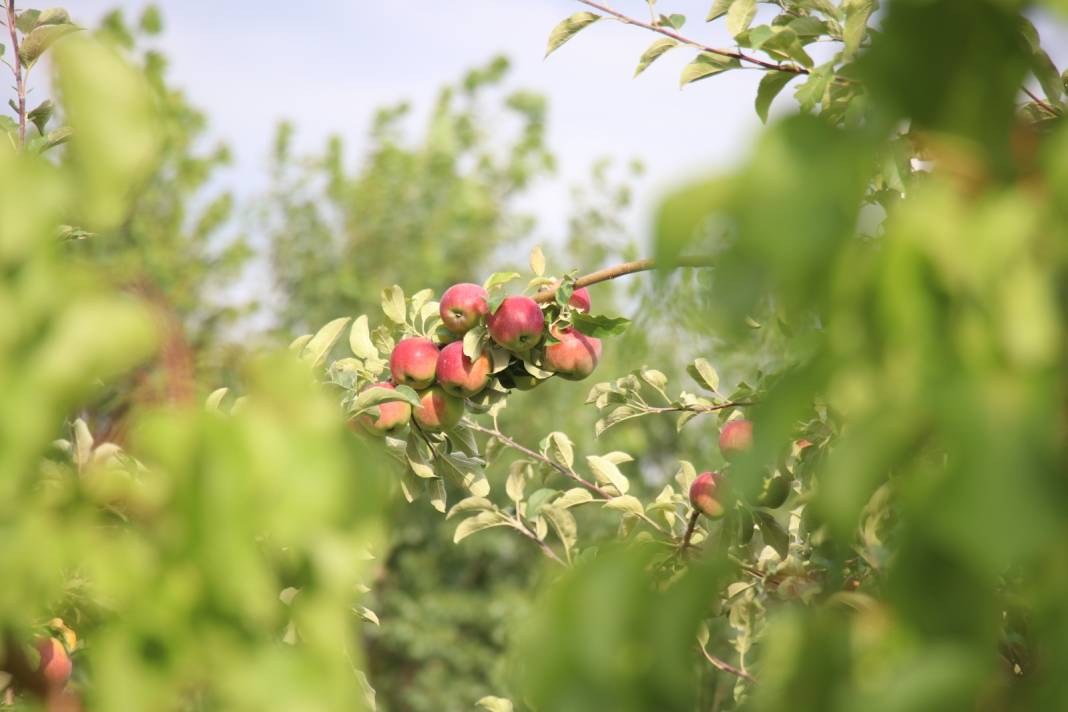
[[460, 376], [517, 324], [55, 667], [413, 362], [392, 415], [706, 494], [575, 356], [438, 410], [462, 305], [736, 437], [580, 299]]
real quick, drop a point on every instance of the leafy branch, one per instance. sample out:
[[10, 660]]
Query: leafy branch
[[20, 82], [609, 273]]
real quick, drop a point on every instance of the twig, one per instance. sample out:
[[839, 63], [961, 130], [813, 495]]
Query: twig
[[620, 270], [696, 409], [725, 666], [690, 527], [546, 549], [791, 68], [1040, 102], [20, 83]]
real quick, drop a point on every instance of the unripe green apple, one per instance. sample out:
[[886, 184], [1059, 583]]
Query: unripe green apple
[[392, 415], [460, 376], [707, 495], [580, 299], [517, 324], [55, 666], [462, 305], [414, 362], [438, 410], [574, 356], [736, 437]]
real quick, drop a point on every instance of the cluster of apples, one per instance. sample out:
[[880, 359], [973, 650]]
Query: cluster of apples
[[445, 376]]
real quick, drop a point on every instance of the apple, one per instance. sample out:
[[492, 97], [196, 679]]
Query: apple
[[462, 305], [460, 376], [55, 667], [580, 299], [773, 492], [438, 410], [706, 494], [517, 324], [574, 356], [413, 362], [735, 438], [392, 415]]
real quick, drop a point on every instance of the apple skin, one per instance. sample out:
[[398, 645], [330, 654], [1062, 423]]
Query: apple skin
[[460, 376], [706, 494], [438, 410], [580, 299], [462, 305], [517, 324], [574, 356], [392, 415], [735, 438], [56, 666], [414, 362]]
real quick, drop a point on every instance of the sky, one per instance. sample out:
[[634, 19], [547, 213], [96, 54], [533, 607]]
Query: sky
[[326, 65]]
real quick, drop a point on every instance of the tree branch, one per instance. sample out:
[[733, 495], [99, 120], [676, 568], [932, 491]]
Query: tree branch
[[734, 54], [20, 83], [1040, 102], [690, 527], [608, 273], [725, 666]]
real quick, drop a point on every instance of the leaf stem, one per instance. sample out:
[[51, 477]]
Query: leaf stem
[[20, 82], [734, 54], [721, 664]]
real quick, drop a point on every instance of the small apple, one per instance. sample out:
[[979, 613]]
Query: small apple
[[574, 356], [706, 494], [736, 437], [517, 324], [462, 305], [438, 410], [460, 376], [580, 299], [392, 415], [773, 492], [55, 667], [413, 362]]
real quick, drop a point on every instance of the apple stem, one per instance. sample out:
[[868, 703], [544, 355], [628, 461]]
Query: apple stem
[[608, 273]]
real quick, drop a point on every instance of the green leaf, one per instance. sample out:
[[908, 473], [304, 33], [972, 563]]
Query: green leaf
[[319, 346], [769, 88], [212, 402], [470, 504], [537, 500], [40, 115], [705, 375], [537, 261], [606, 471], [378, 395], [558, 448], [568, 28], [482, 520], [151, 21], [53, 16], [626, 503], [811, 92], [563, 522], [393, 304], [857, 13], [360, 339], [498, 279], [436, 491], [83, 443], [573, 497], [740, 16], [495, 704], [27, 20], [297, 345], [674, 21], [656, 49], [518, 473], [785, 44], [599, 326], [706, 65], [1048, 77], [774, 535], [474, 341], [37, 42], [470, 472], [719, 9]]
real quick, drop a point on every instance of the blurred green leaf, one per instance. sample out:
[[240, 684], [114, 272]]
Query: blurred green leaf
[[567, 29]]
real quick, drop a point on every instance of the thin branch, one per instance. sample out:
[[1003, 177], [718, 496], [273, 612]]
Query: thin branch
[[725, 666], [626, 268], [546, 549], [690, 527], [700, 410], [734, 54], [1040, 102], [20, 83]]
